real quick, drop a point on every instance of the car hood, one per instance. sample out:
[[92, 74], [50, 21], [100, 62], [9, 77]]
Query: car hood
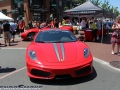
[[59, 52]]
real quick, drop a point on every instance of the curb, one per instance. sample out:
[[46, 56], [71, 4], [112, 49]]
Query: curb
[[105, 63]]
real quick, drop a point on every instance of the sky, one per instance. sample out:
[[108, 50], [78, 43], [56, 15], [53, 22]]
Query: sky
[[115, 3]]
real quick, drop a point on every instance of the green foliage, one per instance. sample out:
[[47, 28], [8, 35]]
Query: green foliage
[[66, 8], [106, 5], [97, 2], [79, 1]]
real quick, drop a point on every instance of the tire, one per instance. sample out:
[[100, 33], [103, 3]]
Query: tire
[[31, 36]]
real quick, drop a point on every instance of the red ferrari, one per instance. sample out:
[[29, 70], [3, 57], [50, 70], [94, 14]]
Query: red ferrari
[[29, 34], [58, 54]]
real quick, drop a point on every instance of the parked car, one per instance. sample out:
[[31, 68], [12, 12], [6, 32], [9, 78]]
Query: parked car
[[58, 54], [29, 34]]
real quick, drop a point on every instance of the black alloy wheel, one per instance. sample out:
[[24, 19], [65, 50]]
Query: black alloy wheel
[[31, 36]]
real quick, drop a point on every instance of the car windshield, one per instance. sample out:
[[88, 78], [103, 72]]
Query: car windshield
[[55, 36]]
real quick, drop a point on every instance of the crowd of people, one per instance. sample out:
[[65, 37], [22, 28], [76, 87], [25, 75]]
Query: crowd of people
[[93, 24], [9, 28]]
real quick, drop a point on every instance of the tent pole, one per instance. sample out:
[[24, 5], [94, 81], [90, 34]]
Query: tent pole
[[102, 30], [102, 27]]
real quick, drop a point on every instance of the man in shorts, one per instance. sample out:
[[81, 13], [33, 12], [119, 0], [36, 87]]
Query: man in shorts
[[6, 30]]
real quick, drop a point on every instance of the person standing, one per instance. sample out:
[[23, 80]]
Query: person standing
[[13, 28], [98, 23], [30, 24], [116, 35], [6, 30], [21, 26], [94, 30], [83, 23]]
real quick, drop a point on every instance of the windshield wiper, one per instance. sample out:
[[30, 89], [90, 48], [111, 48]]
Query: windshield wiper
[[40, 42], [57, 41]]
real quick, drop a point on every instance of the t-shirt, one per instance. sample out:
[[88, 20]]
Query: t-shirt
[[21, 25], [6, 27], [83, 23], [13, 26], [94, 26]]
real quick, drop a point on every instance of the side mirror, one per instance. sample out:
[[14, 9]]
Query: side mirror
[[81, 38]]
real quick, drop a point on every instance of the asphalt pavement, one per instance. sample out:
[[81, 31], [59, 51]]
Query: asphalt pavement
[[13, 73]]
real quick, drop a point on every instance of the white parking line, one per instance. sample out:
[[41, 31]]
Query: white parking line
[[14, 48], [12, 73]]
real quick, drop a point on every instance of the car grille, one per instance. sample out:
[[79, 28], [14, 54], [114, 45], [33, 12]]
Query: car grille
[[64, 76], [40, 73], [83, 70]]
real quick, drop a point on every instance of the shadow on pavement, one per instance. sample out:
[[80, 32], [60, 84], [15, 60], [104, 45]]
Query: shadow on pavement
[[26, 40], [11, 44], [2, 45], [16, 42], [70, 81], [7, 69]]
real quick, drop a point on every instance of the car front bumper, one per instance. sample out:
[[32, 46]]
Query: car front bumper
[[46, 72]]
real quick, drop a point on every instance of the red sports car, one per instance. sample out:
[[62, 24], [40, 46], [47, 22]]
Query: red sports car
[[58, 54], [29, 34]]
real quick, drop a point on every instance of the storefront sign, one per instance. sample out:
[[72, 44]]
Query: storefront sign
[[18, 1]]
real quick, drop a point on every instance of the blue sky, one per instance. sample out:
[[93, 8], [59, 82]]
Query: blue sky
[[115, 3]]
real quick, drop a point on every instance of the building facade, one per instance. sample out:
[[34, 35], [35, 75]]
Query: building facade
[[38, 10]]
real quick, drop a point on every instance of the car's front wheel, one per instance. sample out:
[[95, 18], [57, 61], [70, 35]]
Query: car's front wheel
[[31, 36]]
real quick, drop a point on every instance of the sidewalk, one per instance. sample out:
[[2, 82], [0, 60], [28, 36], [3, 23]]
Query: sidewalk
[[103, 50]]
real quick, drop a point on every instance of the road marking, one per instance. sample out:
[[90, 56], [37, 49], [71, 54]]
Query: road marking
[[12, 73], [14, 48], [105, 63]]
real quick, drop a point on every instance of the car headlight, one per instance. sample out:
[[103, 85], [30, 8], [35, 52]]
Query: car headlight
[[86, 52], [32, 55]]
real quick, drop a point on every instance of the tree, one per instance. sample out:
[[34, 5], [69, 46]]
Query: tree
[[66, 8], [115, 11], [106, 5], [97, 2], [79, 1]]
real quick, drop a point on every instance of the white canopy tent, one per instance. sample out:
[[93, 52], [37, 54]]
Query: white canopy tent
[[4, 17]]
